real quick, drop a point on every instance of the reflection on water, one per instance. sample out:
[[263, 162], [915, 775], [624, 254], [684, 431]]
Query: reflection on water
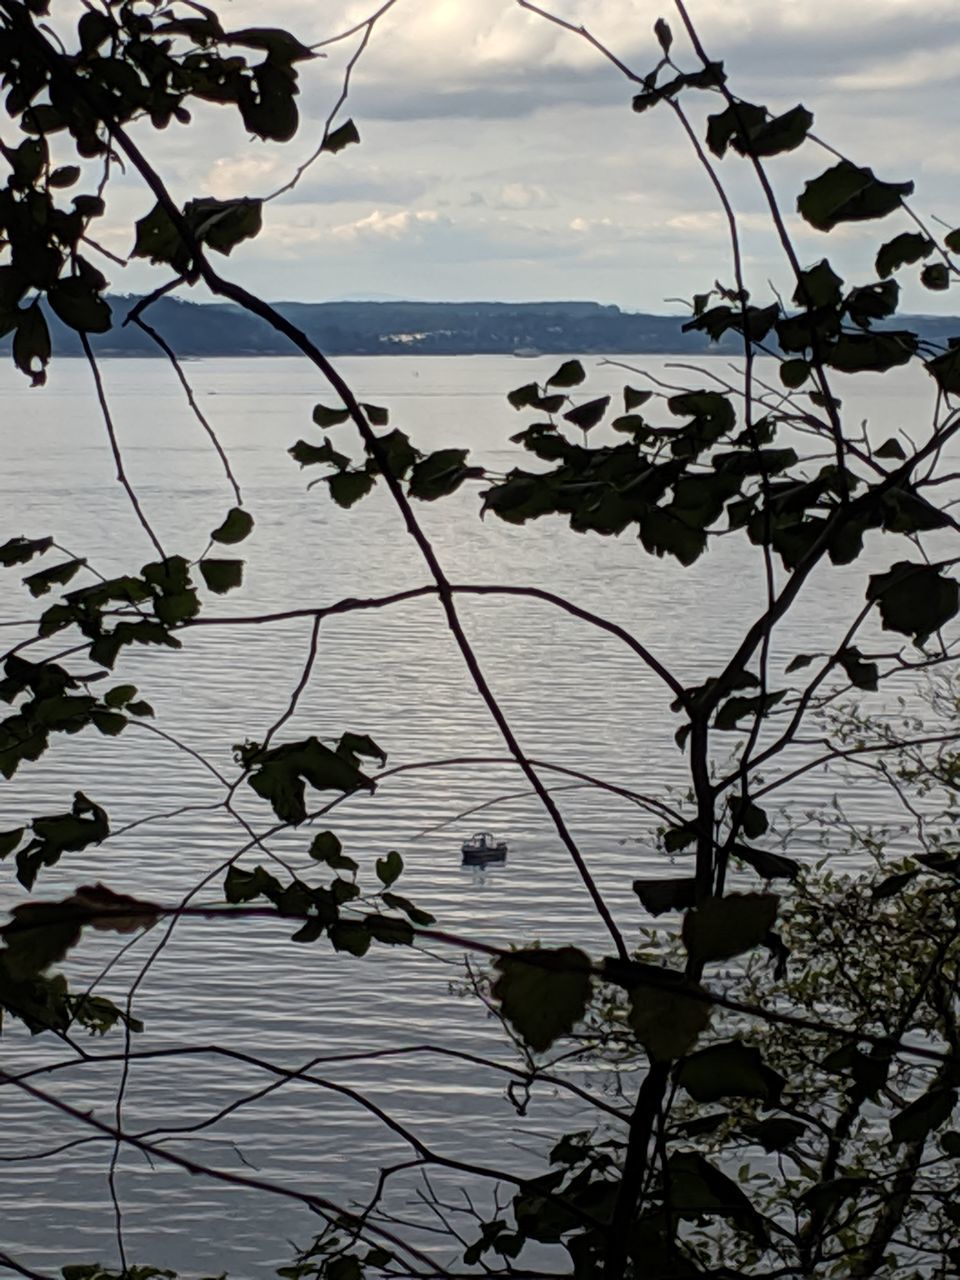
[[577, 698]]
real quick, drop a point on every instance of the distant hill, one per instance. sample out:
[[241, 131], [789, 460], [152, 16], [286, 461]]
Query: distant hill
[[421, 328]]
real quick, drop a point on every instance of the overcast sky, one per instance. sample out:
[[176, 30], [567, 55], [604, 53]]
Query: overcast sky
[[500, 157]]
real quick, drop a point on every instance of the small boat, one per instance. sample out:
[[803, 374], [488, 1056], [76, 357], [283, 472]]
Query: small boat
[[482, 847]]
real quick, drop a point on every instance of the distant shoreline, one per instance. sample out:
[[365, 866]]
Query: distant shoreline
[[526, 330]]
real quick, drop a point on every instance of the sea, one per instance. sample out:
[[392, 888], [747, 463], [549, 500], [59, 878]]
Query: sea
[[403, 1030]]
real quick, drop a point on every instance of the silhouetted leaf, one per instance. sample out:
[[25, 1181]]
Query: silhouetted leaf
[[389, 868], [237, 525], [891, 448], [376, 415], [222, 576], [441, 473], [668, 1020], [633, 399], [893, 884], [348, 487], [921, 1117], [52, 837], [585, 416], [663, 34], [724, 927], [31, 343], [341, 137], [946, 370], [38, 584], [914, 599], [543, 993], [902, 251], [772, 866], [325, 847], [223, 224], [729, 1070], [325, 417], [794, 373], [79, 306], [847, 193], [280, 774], [245, 886], [864, 675], [9, 840], [674, 894], [21, 550], [776, 1133], [801, 660], [698, 1189], [936, 275], [350, 936], [876, 352]]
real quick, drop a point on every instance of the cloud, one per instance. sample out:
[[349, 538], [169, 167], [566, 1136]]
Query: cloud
[[389, 226]]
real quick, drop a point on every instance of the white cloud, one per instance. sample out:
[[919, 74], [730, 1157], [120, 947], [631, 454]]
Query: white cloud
[[388, 226]]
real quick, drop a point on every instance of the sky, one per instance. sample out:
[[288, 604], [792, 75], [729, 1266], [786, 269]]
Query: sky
[[500, 157]]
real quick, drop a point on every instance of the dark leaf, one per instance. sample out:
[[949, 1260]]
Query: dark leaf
[[794, 373], [279, 776], [79, 306], [354, 745], [222, 576], [724, 927], [585, 416], [891, 448], [9, 840], [801, 660], [348, 487], [390, 930], [31, 343], [351, 936], [525, 397], [570, 374], [923, 1116], [245, 886], [902, 251], [664, 35], [223, 224], [675, 894], [936, 276], [543, 993], [946, 370], [237, 526], [325, 417], [776, 1133], [864, 675], [698, 1189], [441, 473], [667, 1020], [325, 847], [633, 399], [772, 866], [847, 193], [389, 868], [376, 415], [159, 240], [914, 599], [729, 1070], [893, 884], [876, 352], [21, 550], [40, 583], [342, 137]]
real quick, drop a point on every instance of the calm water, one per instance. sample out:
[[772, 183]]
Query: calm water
[[576, 697]]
